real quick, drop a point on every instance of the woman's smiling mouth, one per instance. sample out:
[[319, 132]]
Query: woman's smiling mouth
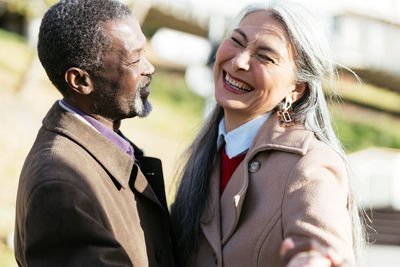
[[235, 85]]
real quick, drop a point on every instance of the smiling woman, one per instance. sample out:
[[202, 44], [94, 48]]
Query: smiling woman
[[255, 70], [267, 165]]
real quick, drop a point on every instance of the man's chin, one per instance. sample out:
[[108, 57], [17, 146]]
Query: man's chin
[[144, 110]]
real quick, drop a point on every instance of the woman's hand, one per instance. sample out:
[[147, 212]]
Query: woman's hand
[[308, 254]]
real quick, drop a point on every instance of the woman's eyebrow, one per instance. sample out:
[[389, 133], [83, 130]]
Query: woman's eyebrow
[[241, 33], [270, 49], [264, 47]]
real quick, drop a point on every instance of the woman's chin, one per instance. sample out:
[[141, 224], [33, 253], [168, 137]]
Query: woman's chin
[[232, 104]]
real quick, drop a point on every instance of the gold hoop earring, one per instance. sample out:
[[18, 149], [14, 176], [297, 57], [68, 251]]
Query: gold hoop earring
[[285, 118]]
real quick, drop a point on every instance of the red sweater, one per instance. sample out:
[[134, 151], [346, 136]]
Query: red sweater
[[228, 167]]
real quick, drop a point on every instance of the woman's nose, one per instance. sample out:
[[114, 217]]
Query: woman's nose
[[241, 61]]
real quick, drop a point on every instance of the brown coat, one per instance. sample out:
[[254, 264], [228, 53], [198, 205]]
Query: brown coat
[[289, 185], [82, 201]]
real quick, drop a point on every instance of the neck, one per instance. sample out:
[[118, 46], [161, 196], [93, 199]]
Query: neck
[[110, 124], [235, 119], [86, 108]]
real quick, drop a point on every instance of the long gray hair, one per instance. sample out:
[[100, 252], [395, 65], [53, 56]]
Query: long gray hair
[[314, 66]]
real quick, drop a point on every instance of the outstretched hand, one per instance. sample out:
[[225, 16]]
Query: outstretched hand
[[308, 254]]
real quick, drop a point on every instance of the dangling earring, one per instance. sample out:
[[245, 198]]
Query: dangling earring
[[285, 118]]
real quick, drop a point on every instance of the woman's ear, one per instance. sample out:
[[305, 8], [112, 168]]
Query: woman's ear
[[79, 81], [298, 91]]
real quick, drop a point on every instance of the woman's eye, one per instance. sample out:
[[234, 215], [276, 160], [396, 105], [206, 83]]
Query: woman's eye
[[236, 41], [266, 58]]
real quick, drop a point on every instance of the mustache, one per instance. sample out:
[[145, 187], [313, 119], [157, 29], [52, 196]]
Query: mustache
[[146, 82]]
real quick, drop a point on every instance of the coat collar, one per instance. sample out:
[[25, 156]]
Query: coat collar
[[293, 139], [271, 136], [116, 162]]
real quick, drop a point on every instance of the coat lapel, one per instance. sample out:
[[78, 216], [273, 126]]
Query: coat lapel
[[271, 136], [118, 164], [232, 200], [210, 219], [142, 186], [152, 170]]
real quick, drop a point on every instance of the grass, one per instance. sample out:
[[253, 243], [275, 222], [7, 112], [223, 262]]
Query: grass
[[171, 89], [356, 134], [360, 128], [182, 109], [177, 111], [369, 95]]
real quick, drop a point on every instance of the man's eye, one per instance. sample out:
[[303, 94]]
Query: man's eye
[[132, 63], [236, 41], [137, 58]]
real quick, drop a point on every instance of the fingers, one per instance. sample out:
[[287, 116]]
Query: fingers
[[310, 253], [287, 245], [309, 259], [334, 257], [291, 247]]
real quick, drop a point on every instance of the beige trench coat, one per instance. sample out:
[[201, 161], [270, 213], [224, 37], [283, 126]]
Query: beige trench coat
[[289, 185], [82, 201]]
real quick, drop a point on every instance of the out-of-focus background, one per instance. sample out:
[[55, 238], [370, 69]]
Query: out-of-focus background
[[183, 35]]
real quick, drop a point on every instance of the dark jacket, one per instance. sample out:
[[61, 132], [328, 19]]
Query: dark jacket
[[82, 201]]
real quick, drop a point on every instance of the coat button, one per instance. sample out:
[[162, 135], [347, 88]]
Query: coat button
[[254, 166]]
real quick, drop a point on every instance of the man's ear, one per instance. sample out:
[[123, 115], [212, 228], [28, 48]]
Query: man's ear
[[79, 80], [298, 91]]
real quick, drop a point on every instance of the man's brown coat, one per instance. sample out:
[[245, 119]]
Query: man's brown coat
[[82, 201]]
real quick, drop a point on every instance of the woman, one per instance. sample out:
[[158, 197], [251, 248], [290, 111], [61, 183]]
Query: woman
[[267, 164]]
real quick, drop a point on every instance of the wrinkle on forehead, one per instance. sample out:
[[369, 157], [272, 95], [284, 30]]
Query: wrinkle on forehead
[[268, 26], [125, 35]]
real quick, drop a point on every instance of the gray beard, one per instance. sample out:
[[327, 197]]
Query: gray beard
[[142, 109]]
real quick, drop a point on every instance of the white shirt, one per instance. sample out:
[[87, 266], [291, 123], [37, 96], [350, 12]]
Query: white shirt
[[239, 140]]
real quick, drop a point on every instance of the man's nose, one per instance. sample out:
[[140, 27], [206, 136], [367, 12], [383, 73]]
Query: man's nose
[[148, 67], [241, 61]]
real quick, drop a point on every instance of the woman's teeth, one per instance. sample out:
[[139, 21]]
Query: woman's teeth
[[237, 85]]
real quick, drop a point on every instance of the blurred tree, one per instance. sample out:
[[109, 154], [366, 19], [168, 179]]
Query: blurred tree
[[17, 15], [27, 8]]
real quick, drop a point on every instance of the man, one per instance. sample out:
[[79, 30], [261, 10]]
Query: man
[[87, 196]]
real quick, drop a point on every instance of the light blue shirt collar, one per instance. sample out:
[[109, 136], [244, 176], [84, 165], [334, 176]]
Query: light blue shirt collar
[[239, 140]]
